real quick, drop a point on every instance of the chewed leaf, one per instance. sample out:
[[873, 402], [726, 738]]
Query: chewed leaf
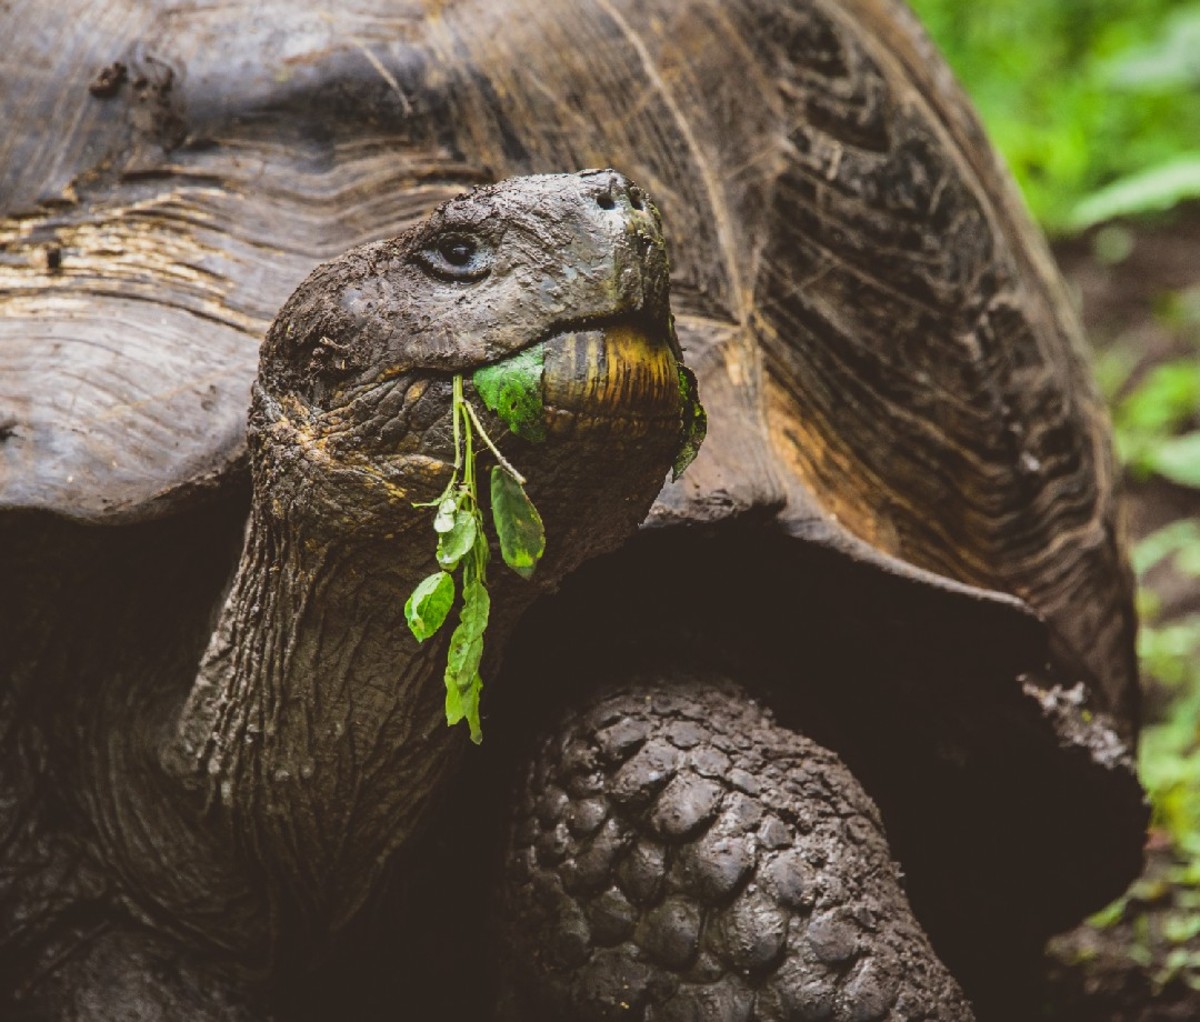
[[513, 390], [427, 607], [464, 705], [456, 542], [694, 422], [466, 650], [518, 524]]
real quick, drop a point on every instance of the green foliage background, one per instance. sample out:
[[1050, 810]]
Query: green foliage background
[[1094, 103]]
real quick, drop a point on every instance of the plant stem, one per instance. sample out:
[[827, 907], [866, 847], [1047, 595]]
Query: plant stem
[[503, 461], [458, 402]]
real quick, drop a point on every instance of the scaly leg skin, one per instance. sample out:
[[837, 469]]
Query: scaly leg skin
[[676, 855]]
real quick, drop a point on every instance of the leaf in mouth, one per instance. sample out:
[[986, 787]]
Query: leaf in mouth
[[693, 422], [513, 390]]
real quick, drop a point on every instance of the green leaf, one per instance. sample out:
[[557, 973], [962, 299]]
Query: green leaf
[[1180, 540], [1163, 400], [1110, 915], [470, 705], [694, 422], [1158, 188], [464, 705], [454, 706], [513, 390], [518, 524], [1168, 63], [427, 607], [466, 644], [453, 545], [1178, 459]]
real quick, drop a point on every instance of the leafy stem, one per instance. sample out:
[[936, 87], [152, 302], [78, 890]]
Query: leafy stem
[[503, 462], [462, 547]]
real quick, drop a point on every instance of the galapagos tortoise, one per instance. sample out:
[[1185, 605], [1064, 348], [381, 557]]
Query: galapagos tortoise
[[900, 535]]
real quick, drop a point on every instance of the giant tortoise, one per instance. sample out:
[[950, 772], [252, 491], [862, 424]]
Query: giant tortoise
[[885, 617]]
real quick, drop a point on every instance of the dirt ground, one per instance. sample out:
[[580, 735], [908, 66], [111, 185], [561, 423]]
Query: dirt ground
[[1123, 972]]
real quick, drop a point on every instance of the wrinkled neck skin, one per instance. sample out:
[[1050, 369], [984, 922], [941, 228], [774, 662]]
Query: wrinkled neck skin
[[316, 724], [316, 728]]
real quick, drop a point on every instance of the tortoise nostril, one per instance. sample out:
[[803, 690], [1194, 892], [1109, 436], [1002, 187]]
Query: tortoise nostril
[[615, 191]]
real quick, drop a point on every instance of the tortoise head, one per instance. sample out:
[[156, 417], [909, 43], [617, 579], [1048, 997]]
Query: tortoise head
[[552, 289], [549, 294]]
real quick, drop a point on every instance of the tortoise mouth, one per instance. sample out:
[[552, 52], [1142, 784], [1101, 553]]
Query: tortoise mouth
[[601, 375], [622, 370]]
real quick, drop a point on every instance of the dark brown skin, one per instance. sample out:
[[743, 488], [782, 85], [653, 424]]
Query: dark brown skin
[[904, 441]]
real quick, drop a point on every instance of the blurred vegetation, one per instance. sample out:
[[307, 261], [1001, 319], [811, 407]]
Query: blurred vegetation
[[1095, 104], [1156, 419]]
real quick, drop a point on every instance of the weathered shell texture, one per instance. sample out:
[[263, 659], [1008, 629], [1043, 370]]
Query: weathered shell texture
[[926, 378]]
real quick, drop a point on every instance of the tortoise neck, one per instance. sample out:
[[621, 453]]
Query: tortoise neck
[[316, 722]]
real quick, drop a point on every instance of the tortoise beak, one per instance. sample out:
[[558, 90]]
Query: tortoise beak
[[641, 280], [615, 370], [622, 373]]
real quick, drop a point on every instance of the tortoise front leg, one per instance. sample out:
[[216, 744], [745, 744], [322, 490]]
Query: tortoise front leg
[[675, 854]]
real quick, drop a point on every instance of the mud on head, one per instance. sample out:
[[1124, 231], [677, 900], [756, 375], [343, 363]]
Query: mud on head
[[563, 276]]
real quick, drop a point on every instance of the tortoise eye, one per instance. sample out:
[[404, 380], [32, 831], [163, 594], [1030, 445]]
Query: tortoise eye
[[456, 257], [457, 251]]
